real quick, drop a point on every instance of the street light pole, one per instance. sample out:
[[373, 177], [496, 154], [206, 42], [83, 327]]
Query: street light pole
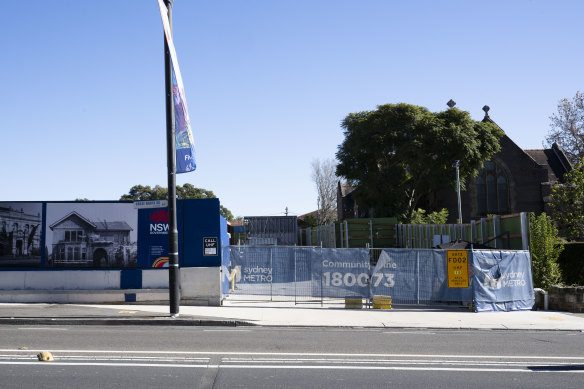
[[173, 270], [457, 165]]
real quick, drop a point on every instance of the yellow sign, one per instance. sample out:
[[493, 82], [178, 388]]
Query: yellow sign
[[457, 265]]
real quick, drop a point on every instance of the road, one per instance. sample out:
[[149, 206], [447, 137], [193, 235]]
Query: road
[[259, 357]]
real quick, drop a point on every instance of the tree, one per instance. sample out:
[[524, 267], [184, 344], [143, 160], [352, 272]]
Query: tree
[[325, 179], [398, 153], [567, 127], [567, 203], [187, 191], [545, 247]]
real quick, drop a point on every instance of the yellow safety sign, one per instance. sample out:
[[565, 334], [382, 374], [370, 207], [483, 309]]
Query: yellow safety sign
[[457, 266]]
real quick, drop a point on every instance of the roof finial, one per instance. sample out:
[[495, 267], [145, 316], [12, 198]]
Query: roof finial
[[451, 103], [486, 109]]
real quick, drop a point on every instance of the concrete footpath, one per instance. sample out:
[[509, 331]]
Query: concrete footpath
[[266, 313]]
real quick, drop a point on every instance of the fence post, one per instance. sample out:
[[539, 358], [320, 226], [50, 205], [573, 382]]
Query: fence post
[[497, 231], [295, 293], [418, 276], [524, 231], [334, 235], [483, 230], [347, 232], [321, 279], [271, 267], [371, 232]]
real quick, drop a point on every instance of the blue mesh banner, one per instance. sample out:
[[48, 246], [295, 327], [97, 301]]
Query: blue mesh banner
[[341, 273], [499, 280], [502, 280]]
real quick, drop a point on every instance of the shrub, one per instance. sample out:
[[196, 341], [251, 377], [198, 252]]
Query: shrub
[[546, 247]]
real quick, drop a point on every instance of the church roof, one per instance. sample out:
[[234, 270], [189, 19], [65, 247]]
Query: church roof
[[554, 160]]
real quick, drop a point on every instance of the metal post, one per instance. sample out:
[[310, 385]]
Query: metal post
[[418, 276], [271, 267], [371, 232], [524, 231], [173, 270], [497, 231], [295, 301], [457, 165], [347, 232]]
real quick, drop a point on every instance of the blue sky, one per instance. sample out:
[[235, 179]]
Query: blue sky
[[267, 83]]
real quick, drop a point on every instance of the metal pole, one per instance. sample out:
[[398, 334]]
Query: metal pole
[[457, 165], [173, 270]]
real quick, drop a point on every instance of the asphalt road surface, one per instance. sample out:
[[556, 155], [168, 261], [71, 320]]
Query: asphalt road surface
[[258, 357]]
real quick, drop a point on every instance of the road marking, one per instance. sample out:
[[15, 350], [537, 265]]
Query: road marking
[[226, 330], [227, 352], [317, 367], [44, 328], [409, 332]]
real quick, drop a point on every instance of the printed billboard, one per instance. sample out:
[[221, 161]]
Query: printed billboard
[[101, 235], [20, 234]]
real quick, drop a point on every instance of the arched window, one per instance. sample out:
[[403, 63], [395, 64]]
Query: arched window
[[492, 188]]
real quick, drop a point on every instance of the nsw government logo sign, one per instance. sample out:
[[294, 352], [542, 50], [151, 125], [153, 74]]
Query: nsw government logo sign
[[159, 222]]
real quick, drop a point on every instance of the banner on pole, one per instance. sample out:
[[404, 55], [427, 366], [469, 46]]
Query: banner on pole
[[184, 143]]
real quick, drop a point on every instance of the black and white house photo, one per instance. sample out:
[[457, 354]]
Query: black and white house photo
[[100, 235], [20, 234]]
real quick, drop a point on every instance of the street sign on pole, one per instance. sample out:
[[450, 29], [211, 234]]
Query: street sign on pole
[[151, 204]]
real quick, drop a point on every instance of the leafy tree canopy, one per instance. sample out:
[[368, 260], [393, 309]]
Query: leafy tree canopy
[[567, 127], [568, 203], [187, 191], [400, 152]]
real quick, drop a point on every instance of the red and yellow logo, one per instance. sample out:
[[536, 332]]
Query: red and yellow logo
[[160, 262]]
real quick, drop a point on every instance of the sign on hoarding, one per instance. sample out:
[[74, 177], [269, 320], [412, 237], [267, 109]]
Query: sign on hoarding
[[457, 267], [150, 204]]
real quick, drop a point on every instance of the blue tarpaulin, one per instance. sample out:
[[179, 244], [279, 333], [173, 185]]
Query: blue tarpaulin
[[502, 281]]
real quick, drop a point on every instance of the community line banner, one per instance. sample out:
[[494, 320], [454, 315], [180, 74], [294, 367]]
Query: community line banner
[[185, 145]]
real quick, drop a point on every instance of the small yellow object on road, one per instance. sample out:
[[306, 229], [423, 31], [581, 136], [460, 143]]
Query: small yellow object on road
[[45, 356]]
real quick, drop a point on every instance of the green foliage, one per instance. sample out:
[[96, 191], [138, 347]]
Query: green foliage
[[568, 203], [420, 217], [545, 247], [400, 152], [308, 221], [187, 191]]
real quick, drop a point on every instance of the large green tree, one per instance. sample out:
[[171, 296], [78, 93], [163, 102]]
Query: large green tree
[[187, 191], [400, 152], [568, 203]]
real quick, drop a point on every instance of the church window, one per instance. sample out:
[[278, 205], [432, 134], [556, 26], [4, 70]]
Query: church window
[[492, 190]]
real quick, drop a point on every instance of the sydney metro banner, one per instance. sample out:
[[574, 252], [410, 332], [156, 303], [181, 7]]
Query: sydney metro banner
[[106, 234]]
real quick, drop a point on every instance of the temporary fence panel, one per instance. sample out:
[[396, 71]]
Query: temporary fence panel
[[502, 280], [341, 273], [415, 276]]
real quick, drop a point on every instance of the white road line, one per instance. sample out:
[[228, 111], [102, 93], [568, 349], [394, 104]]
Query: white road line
[[227, 352], [225, 330], [321, 367], [43, 328]]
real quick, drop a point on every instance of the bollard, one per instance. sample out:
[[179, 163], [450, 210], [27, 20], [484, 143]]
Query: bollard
[[381, 302], [353, 302]]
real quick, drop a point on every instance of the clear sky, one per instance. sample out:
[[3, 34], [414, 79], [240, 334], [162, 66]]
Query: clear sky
[[267, 84]]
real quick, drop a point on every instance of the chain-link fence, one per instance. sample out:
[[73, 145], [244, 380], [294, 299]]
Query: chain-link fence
[[307, 274]]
